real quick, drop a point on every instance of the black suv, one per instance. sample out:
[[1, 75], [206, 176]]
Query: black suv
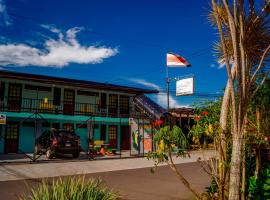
[[56, 141]]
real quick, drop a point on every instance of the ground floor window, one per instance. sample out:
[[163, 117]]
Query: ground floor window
[[112, 136]]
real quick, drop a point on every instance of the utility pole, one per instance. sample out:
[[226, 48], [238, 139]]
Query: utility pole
[[168, 89]]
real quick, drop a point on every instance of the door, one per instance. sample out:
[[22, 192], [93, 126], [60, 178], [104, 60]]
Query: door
[[112, 134], [69, 101], [103, 103], [125, 138], [103, 132], [12, 137], [14, 97], [2, 95]]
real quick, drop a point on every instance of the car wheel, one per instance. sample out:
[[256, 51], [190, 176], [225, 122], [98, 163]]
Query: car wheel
[[49, 154], [75, 154]]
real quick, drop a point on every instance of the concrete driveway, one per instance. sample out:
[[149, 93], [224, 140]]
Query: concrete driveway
[[40, 170]]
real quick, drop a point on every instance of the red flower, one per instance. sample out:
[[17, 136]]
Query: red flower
[[158, 122], [205, 113], [197, 118]]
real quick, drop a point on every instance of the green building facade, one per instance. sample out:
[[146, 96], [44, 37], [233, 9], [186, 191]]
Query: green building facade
[[35, 103]]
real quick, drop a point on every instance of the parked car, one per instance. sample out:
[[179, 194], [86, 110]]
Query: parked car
[[55, 141]]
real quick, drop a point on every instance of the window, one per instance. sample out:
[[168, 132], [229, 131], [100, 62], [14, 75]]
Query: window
[[56, 96], [113, 103], [12, 131], [14, 97], [124, 104], [112, 132], [37, 88], [2, 91], [69, 97], [14, 91]]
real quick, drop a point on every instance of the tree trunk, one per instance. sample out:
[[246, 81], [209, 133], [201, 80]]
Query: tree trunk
[[258, 162], [182, 178], [223, 134], [234, 192], [258, 148], [243, 194]]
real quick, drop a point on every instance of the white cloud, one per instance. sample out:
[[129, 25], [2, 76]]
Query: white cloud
[[57, 52], [161, 97], [145, 83], [51, 28], [4, 18]]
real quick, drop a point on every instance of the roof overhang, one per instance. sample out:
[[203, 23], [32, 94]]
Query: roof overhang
[[73, 82]]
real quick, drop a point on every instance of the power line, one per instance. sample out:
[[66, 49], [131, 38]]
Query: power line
[[123, 38], [202, 94], [143, 43], [193, 55], [198, 53]]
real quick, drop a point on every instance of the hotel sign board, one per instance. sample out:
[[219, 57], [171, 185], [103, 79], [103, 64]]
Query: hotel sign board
[[185, 86], [3, 119]]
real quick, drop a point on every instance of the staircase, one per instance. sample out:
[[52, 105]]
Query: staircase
[[147, 106]]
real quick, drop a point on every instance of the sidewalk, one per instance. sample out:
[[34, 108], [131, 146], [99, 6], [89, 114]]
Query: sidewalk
[[40, 170]]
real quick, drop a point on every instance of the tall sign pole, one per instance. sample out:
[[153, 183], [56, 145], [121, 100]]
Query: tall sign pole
[[173, 60], [168, 89]]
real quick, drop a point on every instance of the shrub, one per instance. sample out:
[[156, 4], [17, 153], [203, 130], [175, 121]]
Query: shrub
[[72, 189], [260, 188]]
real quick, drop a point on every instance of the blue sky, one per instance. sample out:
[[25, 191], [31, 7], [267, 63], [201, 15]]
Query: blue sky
[[121, 42]]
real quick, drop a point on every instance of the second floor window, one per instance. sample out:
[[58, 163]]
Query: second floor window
[[124, 104], [113, 103]]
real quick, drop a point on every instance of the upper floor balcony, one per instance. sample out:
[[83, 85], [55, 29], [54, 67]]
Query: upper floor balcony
[[13, 104]]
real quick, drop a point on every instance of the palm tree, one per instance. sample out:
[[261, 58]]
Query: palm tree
[[243, 49]]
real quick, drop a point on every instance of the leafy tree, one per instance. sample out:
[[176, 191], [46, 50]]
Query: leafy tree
[[171, 142]]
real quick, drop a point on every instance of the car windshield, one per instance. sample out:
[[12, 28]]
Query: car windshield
[[65, 133]]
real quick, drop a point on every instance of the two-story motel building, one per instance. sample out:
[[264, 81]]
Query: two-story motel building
[[34, 103]]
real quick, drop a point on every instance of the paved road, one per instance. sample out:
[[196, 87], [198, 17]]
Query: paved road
[[132, 184]]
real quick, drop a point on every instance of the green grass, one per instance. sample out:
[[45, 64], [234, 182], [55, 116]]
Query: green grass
[[75, 188]]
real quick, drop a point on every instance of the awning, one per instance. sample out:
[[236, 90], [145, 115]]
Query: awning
[[76, 118]]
